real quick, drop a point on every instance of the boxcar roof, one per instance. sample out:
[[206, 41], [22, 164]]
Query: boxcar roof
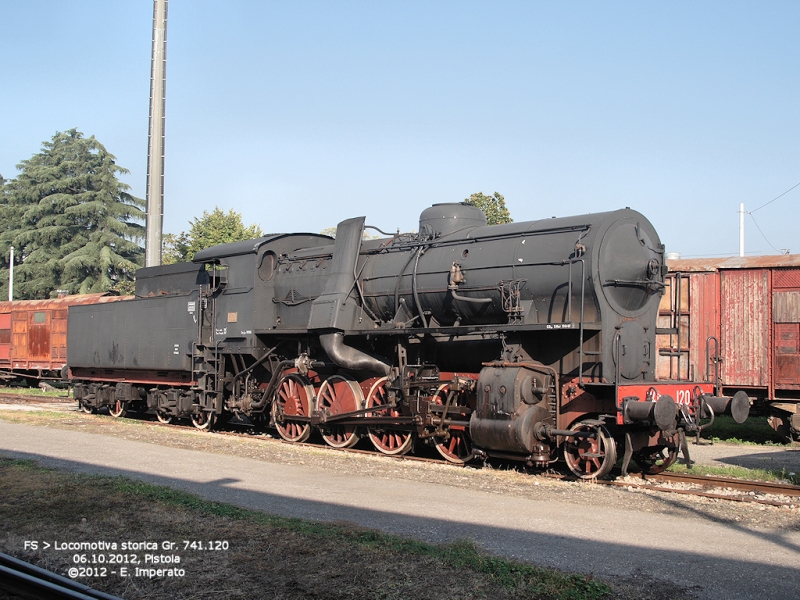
[[686, 265], [56, 303]]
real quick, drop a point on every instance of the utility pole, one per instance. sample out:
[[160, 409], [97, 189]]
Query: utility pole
[[155, 148], [11, 275], [741, 229]]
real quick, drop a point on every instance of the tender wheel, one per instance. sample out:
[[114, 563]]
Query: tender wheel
[[655, 459], [164, 418], [387, 441], [204, 420], [336, 396], [89, 410], [457, 448], [118, 409], [292, 398], [590, 457]]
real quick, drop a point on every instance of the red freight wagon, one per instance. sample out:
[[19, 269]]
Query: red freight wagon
[[33, 335], [736, 321]]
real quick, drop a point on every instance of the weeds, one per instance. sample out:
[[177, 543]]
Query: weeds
[[740, 473]]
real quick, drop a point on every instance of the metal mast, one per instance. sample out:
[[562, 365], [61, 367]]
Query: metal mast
[[155, 148], [741, 229]]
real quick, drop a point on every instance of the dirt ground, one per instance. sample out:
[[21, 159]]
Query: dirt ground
[[287, 564]]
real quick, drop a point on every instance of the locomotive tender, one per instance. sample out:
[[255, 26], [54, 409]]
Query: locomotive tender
[[524, 341]]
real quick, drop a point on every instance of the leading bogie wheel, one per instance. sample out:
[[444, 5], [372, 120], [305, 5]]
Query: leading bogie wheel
[[204, 420], [339, 395], [163, 418], [118, 409], [590, 456], [89, 410], [293, 398], [655, 459], [386, 440]]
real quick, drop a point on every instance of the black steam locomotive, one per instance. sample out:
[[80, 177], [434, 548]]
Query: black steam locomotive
[[515, 341]]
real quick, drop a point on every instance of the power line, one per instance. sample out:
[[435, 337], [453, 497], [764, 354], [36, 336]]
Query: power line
[[773, 200], [761, 232], [750, 212]]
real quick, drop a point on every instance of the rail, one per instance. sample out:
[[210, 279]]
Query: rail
[[20, 577]]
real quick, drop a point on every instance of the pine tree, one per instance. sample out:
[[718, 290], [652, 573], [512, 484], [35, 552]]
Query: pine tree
[[73, 224]]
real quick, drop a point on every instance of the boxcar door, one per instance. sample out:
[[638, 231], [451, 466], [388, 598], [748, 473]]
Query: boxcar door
[[58, 340], [745, 325], [786, 319], [39, 335], [19, 339], [5, 340]]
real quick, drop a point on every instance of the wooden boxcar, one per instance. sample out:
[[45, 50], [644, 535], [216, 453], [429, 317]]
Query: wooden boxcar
[[736, 321], [33, 336]]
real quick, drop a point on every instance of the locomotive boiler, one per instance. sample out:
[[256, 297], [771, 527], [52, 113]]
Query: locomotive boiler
[[526, 341]]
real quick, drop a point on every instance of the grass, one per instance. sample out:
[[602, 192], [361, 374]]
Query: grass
[[754, 431], [740, 473], [35, 391], [281, 557]]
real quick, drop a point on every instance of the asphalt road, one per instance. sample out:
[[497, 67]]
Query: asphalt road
[[726, 561]]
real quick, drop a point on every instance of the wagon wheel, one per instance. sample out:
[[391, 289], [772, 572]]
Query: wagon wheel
[[590, 457], [118, 409], [336, 396], [387, 441], [163, 418], [456, 448], [655, 459], [292, 398], [204, 420]]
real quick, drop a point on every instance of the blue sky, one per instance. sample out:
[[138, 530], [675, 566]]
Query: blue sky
[[301, 114]]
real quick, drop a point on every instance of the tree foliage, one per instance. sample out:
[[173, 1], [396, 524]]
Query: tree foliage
[[216, 227], [73, 224], [174, 248], [494, 207]]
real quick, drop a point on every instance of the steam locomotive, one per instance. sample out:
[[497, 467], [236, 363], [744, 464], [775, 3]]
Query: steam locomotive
[[530, 341]]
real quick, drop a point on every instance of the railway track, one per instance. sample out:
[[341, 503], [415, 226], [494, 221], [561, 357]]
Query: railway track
[[704, 486], [25, 580], [707, 486]]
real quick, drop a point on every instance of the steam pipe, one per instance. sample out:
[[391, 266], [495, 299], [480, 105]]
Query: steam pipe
[[348, 357], [467, 299], [414, 290]]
